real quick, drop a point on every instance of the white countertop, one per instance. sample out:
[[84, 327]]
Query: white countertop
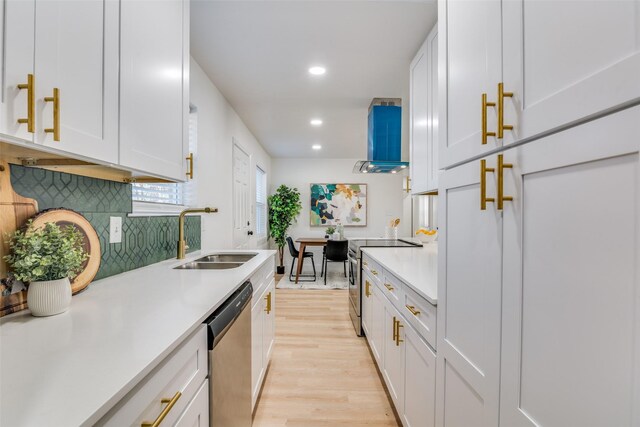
[[70, 369], [417, 267]]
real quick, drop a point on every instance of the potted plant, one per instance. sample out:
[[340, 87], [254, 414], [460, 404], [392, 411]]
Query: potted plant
[[47, 258], [330, 231], [284, 207]]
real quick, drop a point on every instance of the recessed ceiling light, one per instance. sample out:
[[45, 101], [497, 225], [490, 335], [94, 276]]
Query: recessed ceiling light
[[316, 147], [316, 122], [394, 171], [317, 70], [403, 167]]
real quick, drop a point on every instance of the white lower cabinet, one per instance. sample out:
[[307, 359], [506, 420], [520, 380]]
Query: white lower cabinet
[[538, 293], [179, 382], [406, 361], [197, 413], [263, 328], [419, 381]]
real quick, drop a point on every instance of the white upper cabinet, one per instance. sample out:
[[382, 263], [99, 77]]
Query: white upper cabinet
[[424, 116], [567, 60], [17, 65], [60, 80], [154, 85], [571, 307], [470, 59], [76, 67]]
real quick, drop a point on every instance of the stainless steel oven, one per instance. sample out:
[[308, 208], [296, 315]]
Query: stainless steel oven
[[355, 273]]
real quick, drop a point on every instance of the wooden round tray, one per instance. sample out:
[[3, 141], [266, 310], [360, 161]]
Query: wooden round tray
[[63, 217]]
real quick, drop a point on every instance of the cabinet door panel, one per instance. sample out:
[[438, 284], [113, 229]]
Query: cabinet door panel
[[393, 364], [470, 51], [153, 85], [566, 60], [377, 334], [419, 382], [197, 413], [257, 326], [17, 62], [419, 107], [80, 58], [469, 293], [570, 278], [269, 325]]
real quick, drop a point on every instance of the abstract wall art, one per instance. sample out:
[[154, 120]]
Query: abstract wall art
[[333, 204]]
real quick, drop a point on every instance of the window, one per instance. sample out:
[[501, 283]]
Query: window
[[261, 202], [171, 198]]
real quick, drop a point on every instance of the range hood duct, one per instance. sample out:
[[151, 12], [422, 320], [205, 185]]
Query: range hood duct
[[384, 139]]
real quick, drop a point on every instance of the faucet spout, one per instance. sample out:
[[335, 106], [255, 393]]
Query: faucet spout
[[182, 243]]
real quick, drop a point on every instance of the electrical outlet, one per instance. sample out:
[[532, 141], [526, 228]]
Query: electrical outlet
[[115, 229]]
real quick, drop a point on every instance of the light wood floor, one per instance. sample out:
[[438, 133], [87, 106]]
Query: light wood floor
[[321, 373]]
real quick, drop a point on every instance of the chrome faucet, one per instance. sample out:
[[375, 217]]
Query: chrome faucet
[[182, 243]]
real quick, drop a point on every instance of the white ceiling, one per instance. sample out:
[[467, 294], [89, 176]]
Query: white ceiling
[[258, 52]]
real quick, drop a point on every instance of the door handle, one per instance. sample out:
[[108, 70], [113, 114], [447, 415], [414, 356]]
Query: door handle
[[483, 185], [55, 130], [501, 96], [501, 167], [31, 103], [250, 233], [485, 105]]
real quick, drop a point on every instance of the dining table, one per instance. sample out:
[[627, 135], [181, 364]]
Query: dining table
[[304, 242]]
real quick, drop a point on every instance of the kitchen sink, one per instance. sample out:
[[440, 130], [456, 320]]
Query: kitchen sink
[[231, 257], [195, 265]]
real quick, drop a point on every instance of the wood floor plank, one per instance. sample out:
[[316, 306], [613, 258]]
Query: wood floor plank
[[321, 374]]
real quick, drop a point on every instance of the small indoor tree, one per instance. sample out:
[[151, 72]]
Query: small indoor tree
[[284, 207]]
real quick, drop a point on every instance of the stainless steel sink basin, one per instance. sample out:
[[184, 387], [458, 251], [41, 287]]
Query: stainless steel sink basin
[[195, 265], [240, 257]]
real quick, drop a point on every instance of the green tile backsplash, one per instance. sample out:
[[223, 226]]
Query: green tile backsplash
[[145, 240]]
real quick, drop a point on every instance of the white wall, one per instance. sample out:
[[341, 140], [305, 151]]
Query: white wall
[[385, 199], [218, 124]]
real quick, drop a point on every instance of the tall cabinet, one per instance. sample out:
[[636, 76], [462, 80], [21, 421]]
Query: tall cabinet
[[539, 238]]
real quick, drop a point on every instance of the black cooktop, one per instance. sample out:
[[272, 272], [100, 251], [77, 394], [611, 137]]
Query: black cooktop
[[356, 244]]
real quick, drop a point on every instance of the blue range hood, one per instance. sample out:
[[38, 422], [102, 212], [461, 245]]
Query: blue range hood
[[385, 138]]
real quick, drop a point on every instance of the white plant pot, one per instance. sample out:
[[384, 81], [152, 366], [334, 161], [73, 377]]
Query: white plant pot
[[49, 297]]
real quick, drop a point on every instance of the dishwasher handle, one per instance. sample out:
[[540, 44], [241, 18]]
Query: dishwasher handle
[[224, 316]]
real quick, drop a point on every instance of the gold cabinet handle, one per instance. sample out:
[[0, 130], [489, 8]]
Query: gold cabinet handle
[[388, 286], [31, 103], [408, 189], [268, 298], [366, 288], [395, 328], [485, 105], [501, 167], [398, 340], [375, 273], [501, 96], [483, 185], [364, 263], [190, 163], [171, 402], [55, 130], [412, 310]]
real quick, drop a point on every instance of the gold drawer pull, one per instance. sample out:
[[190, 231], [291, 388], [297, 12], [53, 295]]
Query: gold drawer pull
[[398, 340], [31, 103], [365, 263], [388, 286], [501, 167], [375, 273], [367, 292], [486, 104], [483, 185], [190, 163], [268, 298], [171, 402], [501, 96], [55, 130], [395, 328], [412, 310]]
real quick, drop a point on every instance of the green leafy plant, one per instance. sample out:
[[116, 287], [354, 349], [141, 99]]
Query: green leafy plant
[[48, 253], [284, 207], [331, 230]]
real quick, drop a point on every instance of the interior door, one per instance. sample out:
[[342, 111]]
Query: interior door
[[79, 57], [566, 60], [469, 300], [571, 306], [241, 198]]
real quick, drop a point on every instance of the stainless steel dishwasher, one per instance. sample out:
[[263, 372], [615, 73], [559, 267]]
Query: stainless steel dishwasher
[[229, 331]]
